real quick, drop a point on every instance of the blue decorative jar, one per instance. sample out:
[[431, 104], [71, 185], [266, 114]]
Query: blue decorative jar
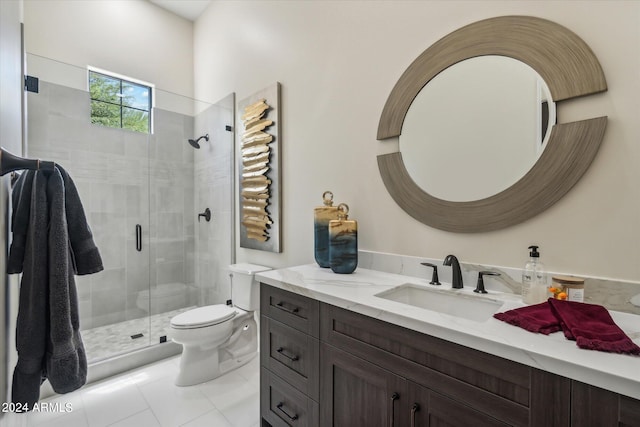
[[321, 217], [343, 242]]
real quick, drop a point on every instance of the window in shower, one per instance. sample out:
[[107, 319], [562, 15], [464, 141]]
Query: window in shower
[[120, 102]]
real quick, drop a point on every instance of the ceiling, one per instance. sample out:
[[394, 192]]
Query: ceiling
[[189, 9]]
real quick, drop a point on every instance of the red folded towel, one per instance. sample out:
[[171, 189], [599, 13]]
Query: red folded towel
[[534, 318], [589, 325]]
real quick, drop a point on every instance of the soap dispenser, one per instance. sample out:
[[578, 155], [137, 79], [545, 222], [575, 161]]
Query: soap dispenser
[[343, 242], [321, 217], [534, 279]]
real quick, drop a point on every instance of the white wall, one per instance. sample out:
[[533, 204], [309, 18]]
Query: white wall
[[10, 139], [337, 61], [134, 37]]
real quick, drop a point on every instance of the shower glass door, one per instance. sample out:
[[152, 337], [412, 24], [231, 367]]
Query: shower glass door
[[172, 212], [110, 167], [142, 192]]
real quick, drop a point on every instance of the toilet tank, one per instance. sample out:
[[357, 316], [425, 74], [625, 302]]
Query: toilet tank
[[245, 290]]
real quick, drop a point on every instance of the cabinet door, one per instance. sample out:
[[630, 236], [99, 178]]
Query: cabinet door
[[354, 392], [427, 408], [629, 412], [592, 406]]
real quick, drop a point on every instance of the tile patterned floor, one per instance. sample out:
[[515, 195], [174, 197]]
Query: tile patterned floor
[[107, 341], [147, 397]]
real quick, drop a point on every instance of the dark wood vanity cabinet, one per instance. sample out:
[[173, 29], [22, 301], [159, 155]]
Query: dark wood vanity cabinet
[[355, 392], [352, 370], [594, 407], [441, 383], [289, 358]]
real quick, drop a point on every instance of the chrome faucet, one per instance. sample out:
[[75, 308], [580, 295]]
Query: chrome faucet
[[456, 281]]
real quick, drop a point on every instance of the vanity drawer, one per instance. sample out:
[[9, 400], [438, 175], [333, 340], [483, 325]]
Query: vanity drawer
[[291, 354], [283, 405], [294, 310]]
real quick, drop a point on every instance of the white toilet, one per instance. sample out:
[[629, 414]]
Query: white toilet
[[219, 338]]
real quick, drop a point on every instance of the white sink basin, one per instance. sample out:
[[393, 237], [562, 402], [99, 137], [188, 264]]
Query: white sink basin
[[469, 307]]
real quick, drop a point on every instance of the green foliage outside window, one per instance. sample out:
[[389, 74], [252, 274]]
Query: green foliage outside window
[[119, 103]]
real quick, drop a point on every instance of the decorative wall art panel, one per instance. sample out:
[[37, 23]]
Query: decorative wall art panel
[[259, 170]]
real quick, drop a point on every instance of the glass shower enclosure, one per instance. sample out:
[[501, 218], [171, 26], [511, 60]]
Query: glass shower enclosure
[[142, 193]]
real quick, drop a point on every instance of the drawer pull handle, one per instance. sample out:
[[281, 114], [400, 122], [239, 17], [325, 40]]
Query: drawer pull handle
[[292, 358], [395, 396], [291, 417], [415, 408], [288, 310]]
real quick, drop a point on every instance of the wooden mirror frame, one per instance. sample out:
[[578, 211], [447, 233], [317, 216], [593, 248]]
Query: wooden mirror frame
[[570, 69]]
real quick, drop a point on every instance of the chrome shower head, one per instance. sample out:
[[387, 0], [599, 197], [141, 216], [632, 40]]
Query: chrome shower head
[[194, 142]]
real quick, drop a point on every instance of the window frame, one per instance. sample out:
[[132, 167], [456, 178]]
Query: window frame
[[123, 80]]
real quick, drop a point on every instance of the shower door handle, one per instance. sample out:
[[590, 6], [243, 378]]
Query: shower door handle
[[138, 237]]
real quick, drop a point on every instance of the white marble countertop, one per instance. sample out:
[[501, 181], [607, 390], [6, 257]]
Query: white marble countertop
[[552, 353]]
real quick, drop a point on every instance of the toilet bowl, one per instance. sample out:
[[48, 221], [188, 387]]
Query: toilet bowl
[[218, 338]]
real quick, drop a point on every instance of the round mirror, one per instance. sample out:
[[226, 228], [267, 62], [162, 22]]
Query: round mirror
[[543, 45], [476, 128]]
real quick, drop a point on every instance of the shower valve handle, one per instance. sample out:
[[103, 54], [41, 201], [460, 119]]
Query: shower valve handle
[[206, 214]]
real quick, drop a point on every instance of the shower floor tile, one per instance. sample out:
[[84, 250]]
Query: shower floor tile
[[110, 340]]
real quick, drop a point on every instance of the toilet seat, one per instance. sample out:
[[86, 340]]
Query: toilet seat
[[202, 317]]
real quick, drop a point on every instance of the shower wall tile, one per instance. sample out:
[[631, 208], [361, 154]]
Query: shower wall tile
[[101, 318], [169, 225], [188, 153], [107, 198], [105, 224], [41, 150], [169, 146], [170, 199], [86, 314], [205, 281], [190, 260], [169, 132], [108, 297], [83, 286], [136, 145], [170, 272], [171, 251], [125, 171], [190, 211], [38, 117], [188, 123], [165, 121], [72, 103], [137, 279], [108, 280], [87, 166], [164, 172], [151, 149], [133, 311], [106, 140], [69, 133], [112, 250], [136, 201]]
